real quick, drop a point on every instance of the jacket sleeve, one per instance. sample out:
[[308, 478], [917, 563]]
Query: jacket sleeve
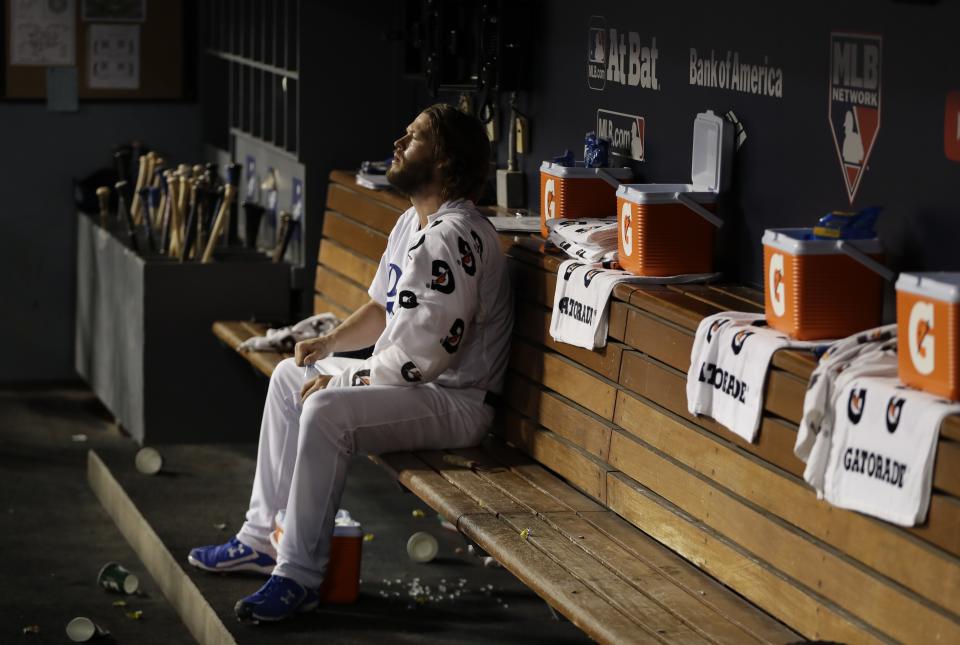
[[437, 299]]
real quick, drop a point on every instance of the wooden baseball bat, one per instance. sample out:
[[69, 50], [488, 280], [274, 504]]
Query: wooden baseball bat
[[147, 220], [253, 213], [285, 232], [124, 214], [191, 229], [219, 223], [135, 202], [223, 214], [103, 198], [173, 224]]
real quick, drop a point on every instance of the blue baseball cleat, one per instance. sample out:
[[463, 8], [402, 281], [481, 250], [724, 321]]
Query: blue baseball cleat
[[232, 556], [278, 599]]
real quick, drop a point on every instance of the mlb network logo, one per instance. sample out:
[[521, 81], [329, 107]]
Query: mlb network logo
[[854, 107]]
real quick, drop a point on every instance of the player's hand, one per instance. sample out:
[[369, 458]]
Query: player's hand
[[308, 352], [315, 384]]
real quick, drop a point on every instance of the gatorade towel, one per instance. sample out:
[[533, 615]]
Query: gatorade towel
[[728, 367]]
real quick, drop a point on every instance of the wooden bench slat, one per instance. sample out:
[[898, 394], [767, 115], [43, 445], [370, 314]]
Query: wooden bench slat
[[571, 462], [556, 413], [717, 298], [707, 590], [666, 342], [670, 305], [687, 605], [538, 476], [898, 613], [360, 208], [881, 546], [348, 179], [747, 294], [800, 608], [564, 376], [656, 619], [323, 305], [511, 484], [533, 323], [346, 293], [362, 239], [486, 495], [800, 363], [573, 599], [430, 486], [347, 263]]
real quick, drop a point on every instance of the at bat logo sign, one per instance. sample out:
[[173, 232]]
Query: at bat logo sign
[[856, 404], [620, 57], [625, 132], [920, 339], [775, 285], [360, 377], [410, 372], [442, 277], [894, 411], [466, 256], [854, 107], [715, 327], [736, 343], [452, 342]]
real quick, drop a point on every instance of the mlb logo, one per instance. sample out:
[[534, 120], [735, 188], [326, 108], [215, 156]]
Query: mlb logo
[[854, 108], [597, 48]]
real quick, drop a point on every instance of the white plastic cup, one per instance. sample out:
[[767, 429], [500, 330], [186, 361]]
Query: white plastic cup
[[422, 547], [81, 629], [149, 461]]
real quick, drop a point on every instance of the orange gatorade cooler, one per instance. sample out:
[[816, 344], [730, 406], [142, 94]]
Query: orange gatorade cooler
[[818, 289], [577, 191], [928, 328], [668, 229], [342, 582]]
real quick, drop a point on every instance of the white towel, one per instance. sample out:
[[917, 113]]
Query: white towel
[[599, 231], [285, 338], [583, 251], [728, 367], [868, 353], [882, 447], [580, 312]]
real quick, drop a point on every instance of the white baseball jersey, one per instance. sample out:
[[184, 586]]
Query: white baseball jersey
[[449, 306]]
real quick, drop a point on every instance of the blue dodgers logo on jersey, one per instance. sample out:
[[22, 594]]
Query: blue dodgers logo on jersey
[[452, 342], [393, 278]]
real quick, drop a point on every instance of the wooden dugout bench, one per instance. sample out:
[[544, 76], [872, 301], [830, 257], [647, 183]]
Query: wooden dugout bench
[[629, 500]]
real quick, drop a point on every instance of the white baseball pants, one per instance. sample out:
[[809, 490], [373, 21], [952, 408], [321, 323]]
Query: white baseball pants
[[304, 452]]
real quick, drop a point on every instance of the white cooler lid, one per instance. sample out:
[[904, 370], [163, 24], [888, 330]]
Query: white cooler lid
[[939, 285], [712, 149], [790, 240], [663, 193], [579, 172]]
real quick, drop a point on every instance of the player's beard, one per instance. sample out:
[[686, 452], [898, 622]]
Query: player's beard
[[410, 177]]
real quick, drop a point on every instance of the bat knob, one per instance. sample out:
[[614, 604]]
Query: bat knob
[[120, 186]]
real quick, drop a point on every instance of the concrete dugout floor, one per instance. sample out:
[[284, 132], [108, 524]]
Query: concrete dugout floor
[[58, 536]]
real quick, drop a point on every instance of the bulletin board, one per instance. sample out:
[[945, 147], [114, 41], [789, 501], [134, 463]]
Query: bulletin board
[[161, 50]]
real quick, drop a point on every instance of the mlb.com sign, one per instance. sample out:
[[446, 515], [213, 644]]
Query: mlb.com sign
[[854, 107], [620, 56]]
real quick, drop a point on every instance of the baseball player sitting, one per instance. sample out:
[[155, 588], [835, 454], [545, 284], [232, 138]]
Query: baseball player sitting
[[440, 316]]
